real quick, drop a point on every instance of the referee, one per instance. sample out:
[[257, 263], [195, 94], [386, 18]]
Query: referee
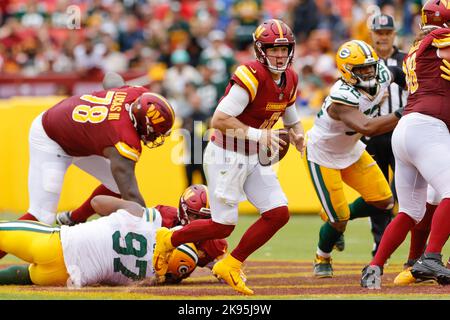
[[382, 33]]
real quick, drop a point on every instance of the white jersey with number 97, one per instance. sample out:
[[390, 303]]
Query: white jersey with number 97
[[113, 250], [333, 144]]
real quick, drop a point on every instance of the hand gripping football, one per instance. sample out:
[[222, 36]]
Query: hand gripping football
[[268, 158]]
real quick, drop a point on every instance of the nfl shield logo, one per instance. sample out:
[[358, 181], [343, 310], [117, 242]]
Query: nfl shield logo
[[280, 97]]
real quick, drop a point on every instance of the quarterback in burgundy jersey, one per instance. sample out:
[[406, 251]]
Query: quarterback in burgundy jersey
[[259, 93], [101, 133], [421, 146]]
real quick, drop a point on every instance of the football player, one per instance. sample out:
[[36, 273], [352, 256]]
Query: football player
[[38, 243], [111, 250], [258, 94], [335, 154], [421, 145], [194, 205], [101, 133]]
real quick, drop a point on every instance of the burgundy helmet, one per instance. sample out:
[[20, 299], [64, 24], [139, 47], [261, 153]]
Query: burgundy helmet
[[435, 13], [272, 33], [194, 204], [153, 118]]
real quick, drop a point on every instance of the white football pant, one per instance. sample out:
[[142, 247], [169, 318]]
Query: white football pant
[[421, 146], [232, 177], [48, 165]]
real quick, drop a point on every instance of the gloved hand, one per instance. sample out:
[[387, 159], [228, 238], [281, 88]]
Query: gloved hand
[[399, 112], [445, 69]]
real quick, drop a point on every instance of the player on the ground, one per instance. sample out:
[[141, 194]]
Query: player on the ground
[[194, 205], [101, 133], [421, 144], [259, 93], [335, 154], [112, 250]]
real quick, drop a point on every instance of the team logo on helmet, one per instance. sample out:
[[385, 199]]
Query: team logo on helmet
[[153, 118], [182, 261], [344, 53]]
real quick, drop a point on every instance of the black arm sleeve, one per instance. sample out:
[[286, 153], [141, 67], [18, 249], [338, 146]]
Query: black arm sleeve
[[399, 76]]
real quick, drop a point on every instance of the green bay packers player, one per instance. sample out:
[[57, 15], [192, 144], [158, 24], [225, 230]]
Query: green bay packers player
[[335, 154], [115, 249]]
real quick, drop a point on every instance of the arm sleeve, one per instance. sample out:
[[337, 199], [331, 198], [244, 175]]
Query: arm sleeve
[[290, 116], [399, 76], [234, 102]]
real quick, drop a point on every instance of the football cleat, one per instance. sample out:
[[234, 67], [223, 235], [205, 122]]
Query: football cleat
[[371, 277], [322, 267], [404, 278], [229, 270], [430, 267], [64, 219], [161, 253]]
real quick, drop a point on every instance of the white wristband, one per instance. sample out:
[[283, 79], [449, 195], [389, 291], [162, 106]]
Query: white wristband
[[254, 134]]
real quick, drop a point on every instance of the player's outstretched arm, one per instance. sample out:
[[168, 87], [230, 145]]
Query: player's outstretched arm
[[105, 205], [359, 122], [123, 171]]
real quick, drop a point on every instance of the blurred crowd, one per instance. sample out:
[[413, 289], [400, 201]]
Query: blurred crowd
[[187, 48]]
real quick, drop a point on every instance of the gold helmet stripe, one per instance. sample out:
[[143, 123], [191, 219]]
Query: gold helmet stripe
[[364, 48], [280, 30], [258, 31]]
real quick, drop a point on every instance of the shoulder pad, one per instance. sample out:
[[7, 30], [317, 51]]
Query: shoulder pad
[[246, 76], [441, 38], [344, 94]]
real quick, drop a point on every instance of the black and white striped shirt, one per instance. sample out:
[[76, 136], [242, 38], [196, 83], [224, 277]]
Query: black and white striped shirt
[[397, 96]]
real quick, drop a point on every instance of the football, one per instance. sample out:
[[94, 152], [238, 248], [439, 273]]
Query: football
[[268, 158]]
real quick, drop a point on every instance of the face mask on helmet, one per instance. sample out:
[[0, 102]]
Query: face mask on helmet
[[273, 33], [194, 204], [366, 75], [153, 118], [435, 14]]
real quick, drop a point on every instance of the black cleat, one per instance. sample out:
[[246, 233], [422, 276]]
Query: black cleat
[[430, 267]]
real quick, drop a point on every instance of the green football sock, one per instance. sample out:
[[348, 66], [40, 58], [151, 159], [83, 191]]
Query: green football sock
[[328, 237], [359, 209], [15, 275]]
